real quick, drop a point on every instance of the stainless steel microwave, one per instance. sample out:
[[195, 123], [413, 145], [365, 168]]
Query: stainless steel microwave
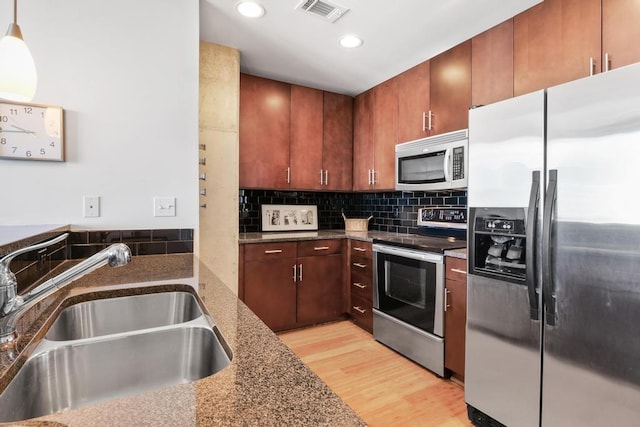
[[436, 163]]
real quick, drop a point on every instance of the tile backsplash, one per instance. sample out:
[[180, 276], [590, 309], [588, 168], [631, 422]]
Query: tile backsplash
[[395, 211], [31, 266]]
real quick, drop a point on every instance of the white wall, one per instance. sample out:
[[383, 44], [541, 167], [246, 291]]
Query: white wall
[[126, 73]]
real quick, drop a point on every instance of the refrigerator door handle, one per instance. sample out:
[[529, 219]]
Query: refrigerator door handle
[[548, 285], [532, 219]]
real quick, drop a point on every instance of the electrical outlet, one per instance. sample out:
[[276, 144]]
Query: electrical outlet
[[91, 206], [164, 206]]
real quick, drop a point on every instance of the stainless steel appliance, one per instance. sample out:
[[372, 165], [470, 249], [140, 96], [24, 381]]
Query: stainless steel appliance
[[409, 294], [434, 163], [554, 256]]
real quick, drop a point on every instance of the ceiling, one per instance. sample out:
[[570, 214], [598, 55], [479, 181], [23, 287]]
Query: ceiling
[[302, 48]]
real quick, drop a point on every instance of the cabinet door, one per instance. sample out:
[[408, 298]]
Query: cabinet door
[[413, 102], [554, 42], [620, 32], [306, 137], [337, 157], [451, 89], [363, 141], [264, 132], [455, 315], [270, 291], [385, 133], [319, 289], [492, 65]]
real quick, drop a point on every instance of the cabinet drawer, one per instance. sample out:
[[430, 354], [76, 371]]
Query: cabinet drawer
[[319, 247], [361, 249], [264, 251], [362, 313], [456, 269], [361, 288], [362, 266]]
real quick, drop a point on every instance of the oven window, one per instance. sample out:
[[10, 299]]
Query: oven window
[[407, 290], [421, 169]]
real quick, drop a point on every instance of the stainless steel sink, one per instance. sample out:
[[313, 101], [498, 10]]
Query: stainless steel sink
[[62, 375], [123, 314]]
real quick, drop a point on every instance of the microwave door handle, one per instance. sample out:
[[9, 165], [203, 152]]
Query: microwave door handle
[[447, 160]]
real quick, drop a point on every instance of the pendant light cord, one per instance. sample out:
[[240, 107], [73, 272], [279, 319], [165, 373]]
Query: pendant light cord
[[15, 11]]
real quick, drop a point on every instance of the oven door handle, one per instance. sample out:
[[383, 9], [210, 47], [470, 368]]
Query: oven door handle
[[408, 253], [447, 169]]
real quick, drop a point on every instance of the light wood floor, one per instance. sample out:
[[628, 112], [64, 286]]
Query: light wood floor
[[382, 387]]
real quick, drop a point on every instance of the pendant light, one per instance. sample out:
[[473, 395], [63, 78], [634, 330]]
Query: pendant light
[[18, 77]]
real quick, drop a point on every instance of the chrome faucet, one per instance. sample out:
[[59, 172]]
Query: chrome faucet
[[12, 305]]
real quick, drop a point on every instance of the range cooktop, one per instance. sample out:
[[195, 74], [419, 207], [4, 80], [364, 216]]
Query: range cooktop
[[424, 243]]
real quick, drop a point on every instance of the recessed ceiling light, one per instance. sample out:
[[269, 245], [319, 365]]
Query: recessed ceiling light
[[350, 41], [250, 9]]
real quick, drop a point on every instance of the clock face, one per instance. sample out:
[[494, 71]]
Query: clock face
[[31, 132]]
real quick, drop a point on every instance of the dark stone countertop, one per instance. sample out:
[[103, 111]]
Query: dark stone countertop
[[14, 237], [265, 384]]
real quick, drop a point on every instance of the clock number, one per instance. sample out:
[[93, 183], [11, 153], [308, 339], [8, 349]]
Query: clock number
[[53, 144], [14, 149], [3, 141], [28, 110], [28, 153], [13, 111], [4, 119], [42, 151]]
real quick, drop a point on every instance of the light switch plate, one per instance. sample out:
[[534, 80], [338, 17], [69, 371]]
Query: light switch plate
[[91, 206], [164, 206]]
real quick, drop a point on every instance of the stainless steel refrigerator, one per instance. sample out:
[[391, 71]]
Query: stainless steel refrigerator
[[553, 320]]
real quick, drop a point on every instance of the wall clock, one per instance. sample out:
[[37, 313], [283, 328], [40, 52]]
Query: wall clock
[[31, 131]]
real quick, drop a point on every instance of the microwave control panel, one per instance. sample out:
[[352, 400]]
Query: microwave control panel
[[443, 217], [458, 163]]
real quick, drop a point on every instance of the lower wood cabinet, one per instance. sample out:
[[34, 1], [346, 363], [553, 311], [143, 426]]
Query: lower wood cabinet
[[294, 284], [455, 315], [361, 284]]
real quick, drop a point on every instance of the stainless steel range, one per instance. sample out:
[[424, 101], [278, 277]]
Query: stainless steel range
[[408, 313]]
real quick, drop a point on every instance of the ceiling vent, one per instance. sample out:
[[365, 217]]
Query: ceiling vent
[[324, 9]]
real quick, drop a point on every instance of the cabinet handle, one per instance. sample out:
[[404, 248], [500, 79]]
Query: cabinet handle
[[359, 285], [373, 176], [607, 62], [430, 127], [369, 177], [321, 177], [359, 310], [355, 248], [295, 276], [203, 191], [289, 175], [321, 248], [592, 66], [457, 270], [357, 264], [203, 176], [273, 251], [300, 275], [446, 299], [424, 121], [326, 177], [202, 161]]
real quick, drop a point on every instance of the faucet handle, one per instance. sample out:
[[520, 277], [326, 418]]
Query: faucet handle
[[6, 260]]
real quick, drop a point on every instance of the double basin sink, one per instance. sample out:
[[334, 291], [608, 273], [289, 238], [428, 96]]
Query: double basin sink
[[104, 349]]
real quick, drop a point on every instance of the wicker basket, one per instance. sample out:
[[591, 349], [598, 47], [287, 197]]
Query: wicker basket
[[356, 224]]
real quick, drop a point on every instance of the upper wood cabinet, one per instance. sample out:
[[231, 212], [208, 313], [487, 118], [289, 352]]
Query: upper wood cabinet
[[414, 102], [337, 146], [385, 134], [264, 132], [492, 65], [556, 41], [451, 89], [620, 33], [306, 138], [294, 137], [363, 141]]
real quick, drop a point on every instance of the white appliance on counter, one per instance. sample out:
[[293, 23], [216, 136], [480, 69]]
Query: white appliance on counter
[[434, 163]]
